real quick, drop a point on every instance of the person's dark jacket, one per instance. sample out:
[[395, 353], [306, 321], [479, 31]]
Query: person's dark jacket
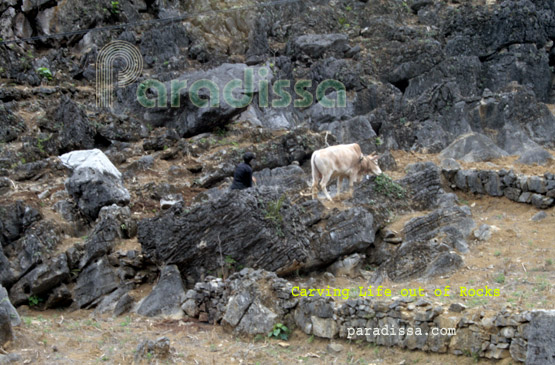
[[242, 178]]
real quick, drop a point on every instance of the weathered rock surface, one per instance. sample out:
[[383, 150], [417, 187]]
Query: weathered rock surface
[[94, 183], [11, 126], [315, 45], [114, 222], [41, 280], [258, 231], [166, 297], [7, 306], [535, 156], [541, 338], [149, 349], [473, 147], [94, 281], [290, 177]]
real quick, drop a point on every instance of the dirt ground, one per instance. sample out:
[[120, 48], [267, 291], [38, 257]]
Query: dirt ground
[[517, 259]]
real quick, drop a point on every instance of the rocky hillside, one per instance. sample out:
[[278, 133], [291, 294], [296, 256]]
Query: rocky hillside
[[101, 202]]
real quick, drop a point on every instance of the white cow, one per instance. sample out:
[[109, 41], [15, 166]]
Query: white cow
[[345, 160]]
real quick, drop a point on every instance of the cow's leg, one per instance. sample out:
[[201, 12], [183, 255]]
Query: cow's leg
[[339, 181], [324, 183], [351, 183], [316, 176], [314, 189]]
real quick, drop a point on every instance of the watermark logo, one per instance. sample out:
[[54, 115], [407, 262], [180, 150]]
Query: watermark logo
[[118, 64], [238, 93]]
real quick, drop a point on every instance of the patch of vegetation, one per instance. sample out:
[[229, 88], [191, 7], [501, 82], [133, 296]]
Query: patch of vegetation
[[114, 9], [222, 132], [44, 72], [229, 263], [476, 302], [40, 143], [258, 338], [273, 213], [500, 278], [542, 284], [35, 300], [126, 322], [386, 186], [27, 320], [280, 331], [497, 253], [378, 141]]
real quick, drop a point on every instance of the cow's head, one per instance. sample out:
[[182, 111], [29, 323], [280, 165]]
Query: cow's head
[[370, 164]]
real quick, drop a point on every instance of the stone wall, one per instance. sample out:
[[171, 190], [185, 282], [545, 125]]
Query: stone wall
[[252, 301], [536, 190]]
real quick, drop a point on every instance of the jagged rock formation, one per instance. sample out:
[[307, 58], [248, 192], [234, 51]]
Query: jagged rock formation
[[470, 80]]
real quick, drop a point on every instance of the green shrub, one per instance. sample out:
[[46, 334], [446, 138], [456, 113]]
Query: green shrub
[[280, 331], [45, 73], [386, 186]]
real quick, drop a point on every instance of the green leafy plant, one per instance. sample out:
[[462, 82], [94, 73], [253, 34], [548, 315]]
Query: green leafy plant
[[273, 210], [273, 213], [500, 278], [378, 141], [385, 185], [229, 263], [34, 301], [45, 73], [40, 143], [280, 331], [114, 7], [126, 322]]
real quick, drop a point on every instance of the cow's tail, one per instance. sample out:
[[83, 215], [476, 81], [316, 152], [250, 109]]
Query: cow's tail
[[315, 172]]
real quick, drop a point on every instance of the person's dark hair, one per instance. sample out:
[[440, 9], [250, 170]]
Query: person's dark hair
[[247, 157]]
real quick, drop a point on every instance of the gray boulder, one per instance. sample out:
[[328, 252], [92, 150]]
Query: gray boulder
[[95, 280], [7, 306], [109, 302], [483, 233], [450, 164], [257, 228], [472, 147], [541, 338], [535, 156], [258, 319], [38, 242], [345, 232], [315, 45], [11, 126], [539, 216], [14, 220], [166, 297], [94, 183], [354, 130], [436, 223], [148, 349], [349, 266], [76, 132], [7, 276], [290, 177], [41, 280], [114, 222], [6, 331]]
